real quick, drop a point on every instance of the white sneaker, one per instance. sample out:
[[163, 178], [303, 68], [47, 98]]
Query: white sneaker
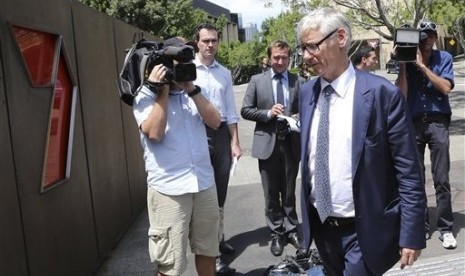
[[448, 240]]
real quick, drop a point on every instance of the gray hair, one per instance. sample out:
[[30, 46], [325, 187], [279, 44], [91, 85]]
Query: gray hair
[[324, 20]]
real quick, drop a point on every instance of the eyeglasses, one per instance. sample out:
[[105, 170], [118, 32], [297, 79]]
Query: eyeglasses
[[312, 48], [427, 26]]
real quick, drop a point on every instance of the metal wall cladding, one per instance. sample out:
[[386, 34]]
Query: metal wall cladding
[[68, 229]]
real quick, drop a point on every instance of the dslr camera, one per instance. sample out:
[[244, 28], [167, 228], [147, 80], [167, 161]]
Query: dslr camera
[[183, 70]]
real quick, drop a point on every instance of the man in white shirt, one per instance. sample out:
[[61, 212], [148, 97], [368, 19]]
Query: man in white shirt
[[363, 197], [224, 141]]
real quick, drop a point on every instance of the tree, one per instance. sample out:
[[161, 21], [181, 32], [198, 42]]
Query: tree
[[383, 16], [459, 30], [446, 12], [163, 18], [241, 58], [282, 27]]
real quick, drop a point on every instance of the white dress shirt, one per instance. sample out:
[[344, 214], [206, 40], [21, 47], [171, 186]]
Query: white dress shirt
[[216, 83], [340, 143]]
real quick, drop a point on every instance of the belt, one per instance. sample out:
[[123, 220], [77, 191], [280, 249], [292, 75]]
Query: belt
[[339, 222], [432, 118]]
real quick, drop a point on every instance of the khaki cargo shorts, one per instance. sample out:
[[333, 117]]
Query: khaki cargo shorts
[[177, 220]]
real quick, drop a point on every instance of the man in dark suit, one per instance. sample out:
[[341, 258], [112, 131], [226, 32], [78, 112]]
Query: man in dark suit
[[363, 199], [268, 95]]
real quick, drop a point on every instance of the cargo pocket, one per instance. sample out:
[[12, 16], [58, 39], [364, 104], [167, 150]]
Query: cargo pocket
[[160, 247]]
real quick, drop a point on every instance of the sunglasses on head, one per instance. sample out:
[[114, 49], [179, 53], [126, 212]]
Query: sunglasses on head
[[427, 26]]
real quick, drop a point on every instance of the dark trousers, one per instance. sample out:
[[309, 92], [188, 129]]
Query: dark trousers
[[340, 251], [219, 145], [434, 132], [338, 245], [278, 174]]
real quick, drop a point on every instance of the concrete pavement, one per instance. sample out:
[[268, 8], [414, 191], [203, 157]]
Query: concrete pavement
[[245, 226]]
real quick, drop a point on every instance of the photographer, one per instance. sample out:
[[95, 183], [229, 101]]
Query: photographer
[[270, 94], [426, 83], [181, 197]]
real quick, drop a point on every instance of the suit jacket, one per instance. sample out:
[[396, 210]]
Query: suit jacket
[[388, 188], [258, 100]]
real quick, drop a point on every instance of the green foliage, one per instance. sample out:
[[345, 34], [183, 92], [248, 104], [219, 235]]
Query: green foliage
[[100, 5], [244, 58], [182, 19], [163, 18], [282, 28], [446, 12], [241, 58], [146, 15]]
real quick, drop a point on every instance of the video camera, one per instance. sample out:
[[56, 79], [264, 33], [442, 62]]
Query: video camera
[[144, 55], [183, 70], [407, 40]]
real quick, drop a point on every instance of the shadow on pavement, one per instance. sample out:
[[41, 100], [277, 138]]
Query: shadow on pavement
[[259, 236], [459, 221]]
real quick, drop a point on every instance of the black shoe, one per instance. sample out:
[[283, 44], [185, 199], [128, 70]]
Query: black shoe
[[277, 246], [226, 248], [223, 269], [294, 239], [427, 233]]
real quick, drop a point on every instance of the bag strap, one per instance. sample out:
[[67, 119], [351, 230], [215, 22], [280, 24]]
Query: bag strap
[[291, 260]]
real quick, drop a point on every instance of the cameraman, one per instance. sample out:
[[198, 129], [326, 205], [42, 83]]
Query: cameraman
[[181, 197], [426, 84]]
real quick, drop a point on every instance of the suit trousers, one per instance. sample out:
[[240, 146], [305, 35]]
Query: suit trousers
[[338, 247], [435, 134], [278, 174]]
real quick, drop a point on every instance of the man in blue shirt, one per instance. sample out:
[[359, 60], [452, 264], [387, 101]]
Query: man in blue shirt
[[426, 84]]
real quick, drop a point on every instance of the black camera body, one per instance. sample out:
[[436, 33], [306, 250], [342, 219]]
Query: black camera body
[[183, 70], [407, 41], [282, 127]]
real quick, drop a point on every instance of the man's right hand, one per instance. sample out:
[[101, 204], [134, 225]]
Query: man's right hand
[[157, 77], [277, 109]]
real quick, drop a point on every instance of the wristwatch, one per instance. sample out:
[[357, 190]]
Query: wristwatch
[[194, 92], [154, 86]]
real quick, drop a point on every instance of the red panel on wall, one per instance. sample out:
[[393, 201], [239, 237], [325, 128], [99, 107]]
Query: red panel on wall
[[47, 66], [38, 50], [59, 127]]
